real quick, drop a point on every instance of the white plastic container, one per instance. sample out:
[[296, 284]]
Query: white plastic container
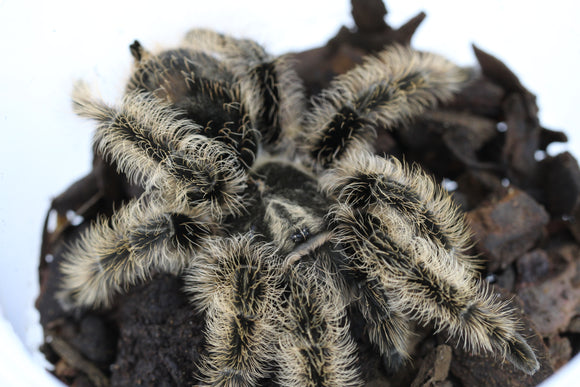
[[46, 46]]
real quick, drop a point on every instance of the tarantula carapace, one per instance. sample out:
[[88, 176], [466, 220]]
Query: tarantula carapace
[[279, 216]]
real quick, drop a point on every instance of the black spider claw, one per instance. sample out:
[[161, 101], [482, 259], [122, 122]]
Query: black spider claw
[[522, 356], [137, 50], [393, 362]]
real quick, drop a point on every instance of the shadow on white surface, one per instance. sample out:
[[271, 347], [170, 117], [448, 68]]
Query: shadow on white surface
[[17, 365]]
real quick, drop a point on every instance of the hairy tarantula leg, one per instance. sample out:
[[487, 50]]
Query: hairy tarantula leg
[[366, 181], [272, 91], [386, 327], [234, 282], [230, 124], [316, 346], [203, 89], [154, 71], [412, 240], [428, 284], [154, 148], [373, 184], [225, 46], [139, 239], [387, 90]]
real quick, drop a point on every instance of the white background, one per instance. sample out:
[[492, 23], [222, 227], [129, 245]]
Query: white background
[[46, 45]]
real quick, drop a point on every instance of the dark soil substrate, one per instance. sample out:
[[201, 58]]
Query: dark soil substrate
[[489, 148]]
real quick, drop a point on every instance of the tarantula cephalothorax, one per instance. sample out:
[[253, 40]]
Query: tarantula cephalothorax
[[279, 216]]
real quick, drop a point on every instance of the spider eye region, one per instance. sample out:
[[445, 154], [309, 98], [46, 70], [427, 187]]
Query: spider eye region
[[291, 209], [301, 235]]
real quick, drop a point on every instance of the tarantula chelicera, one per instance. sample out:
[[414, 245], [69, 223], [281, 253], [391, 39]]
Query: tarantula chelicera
[[279, 216]]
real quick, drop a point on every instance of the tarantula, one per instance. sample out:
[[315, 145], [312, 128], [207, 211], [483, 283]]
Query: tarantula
[[279, 216]]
